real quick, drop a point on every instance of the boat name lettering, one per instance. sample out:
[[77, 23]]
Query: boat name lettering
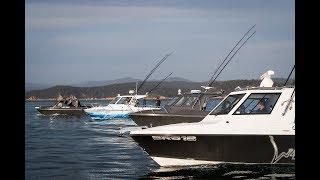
[[175, 138]]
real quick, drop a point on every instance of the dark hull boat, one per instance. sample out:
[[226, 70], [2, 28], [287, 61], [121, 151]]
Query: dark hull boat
[[187, 108], [251, 126], [70, 111], [159, 119], [64, 106]]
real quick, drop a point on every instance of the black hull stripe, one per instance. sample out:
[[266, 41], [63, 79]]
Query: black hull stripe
[[240, 148]]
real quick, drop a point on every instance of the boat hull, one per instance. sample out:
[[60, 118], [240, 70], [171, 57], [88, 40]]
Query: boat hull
[[153, 120], [108, 115], [70, 112], [181, 150], [114, 111]]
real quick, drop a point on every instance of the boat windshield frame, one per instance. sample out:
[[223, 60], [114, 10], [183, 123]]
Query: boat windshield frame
[[184, 101], [173, 101], [225, 106], [115, 100]]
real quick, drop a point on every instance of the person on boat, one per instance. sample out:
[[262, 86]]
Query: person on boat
[[144, 102], [128, 100], [60, 101], [69, 101], [261, 108], [204, 105], [158, 102]]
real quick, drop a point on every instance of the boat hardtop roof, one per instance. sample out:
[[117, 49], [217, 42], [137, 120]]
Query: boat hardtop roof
[[135, 96], [199, 92], [261, 90]]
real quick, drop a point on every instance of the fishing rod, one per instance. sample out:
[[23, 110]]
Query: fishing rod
[[152, 71], [210, 82], [289, 75], [159, 83], [229, 54], [232, 57]]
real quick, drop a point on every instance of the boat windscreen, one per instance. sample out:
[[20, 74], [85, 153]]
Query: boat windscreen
[[114, 100], [187, 101], [226, 106], [172, 101], [124, 100]]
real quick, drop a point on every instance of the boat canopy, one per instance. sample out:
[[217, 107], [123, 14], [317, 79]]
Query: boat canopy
[[126, 99]]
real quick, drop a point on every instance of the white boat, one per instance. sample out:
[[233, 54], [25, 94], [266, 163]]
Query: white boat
[[120, 107], [252, 126]]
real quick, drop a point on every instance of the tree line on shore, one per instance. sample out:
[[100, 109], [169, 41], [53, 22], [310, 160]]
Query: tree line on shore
[[166, 89]]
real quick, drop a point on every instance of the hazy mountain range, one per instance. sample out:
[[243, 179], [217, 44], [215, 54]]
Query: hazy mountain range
[[37, 86], [167, 88]]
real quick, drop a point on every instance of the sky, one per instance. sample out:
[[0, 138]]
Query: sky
[[93, 40]]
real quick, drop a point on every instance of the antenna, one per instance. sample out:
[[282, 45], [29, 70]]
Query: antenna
[[289, 75], [210, 82], [159, 83], [152, 71], [232, 57]]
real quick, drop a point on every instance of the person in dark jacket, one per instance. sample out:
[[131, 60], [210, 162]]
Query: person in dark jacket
[[158, 102]]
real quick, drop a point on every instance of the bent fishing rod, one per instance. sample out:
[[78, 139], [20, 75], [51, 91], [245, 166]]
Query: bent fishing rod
[[152, 71], [232, 57], [229, 55], [159, 83], [211, 82], [289, 75]]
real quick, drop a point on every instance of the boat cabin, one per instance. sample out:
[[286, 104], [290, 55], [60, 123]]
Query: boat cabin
[[127, 99], [195, 99]]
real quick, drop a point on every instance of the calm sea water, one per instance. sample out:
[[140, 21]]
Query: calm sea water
[[80, 148]]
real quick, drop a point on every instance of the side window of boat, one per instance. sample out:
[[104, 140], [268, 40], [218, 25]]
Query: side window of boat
[[190, 101], [114, 100], [258, 103], [181, 101], [124, 100], [227, 105], [172, 101]]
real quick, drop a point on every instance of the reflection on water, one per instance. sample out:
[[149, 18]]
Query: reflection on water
[[80, 148], [225, 171]]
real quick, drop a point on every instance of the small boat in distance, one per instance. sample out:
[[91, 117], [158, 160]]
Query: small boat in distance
[[251, 126], [120, 107], [64, 106]]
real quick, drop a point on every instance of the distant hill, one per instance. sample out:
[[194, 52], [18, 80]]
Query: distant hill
[[104, 83], [168, 89], [171, 79], [35, 86]]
